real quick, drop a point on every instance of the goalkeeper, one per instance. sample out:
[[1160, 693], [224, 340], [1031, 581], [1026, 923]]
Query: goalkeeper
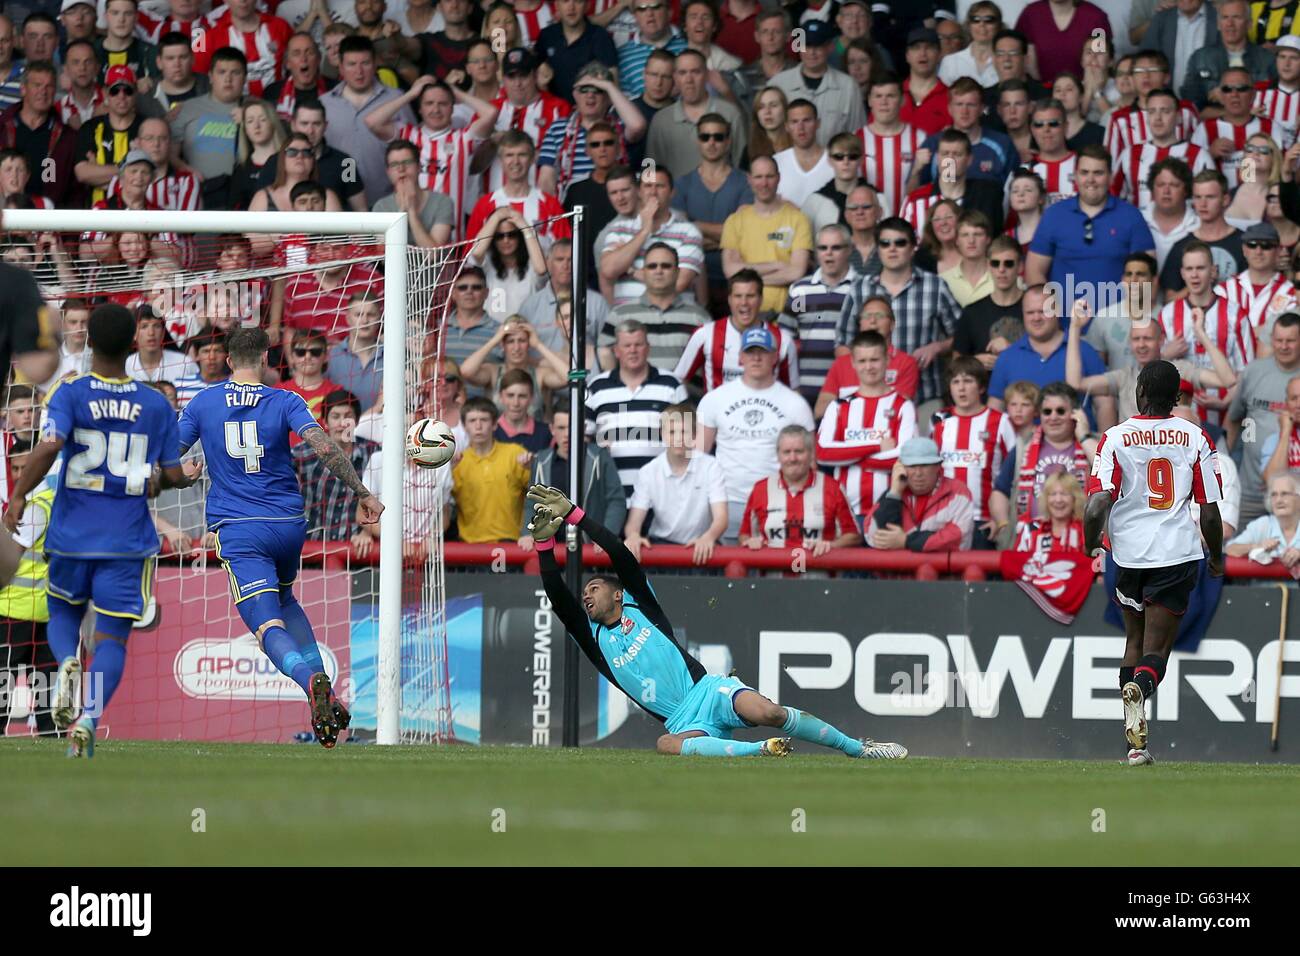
[[625, 633]]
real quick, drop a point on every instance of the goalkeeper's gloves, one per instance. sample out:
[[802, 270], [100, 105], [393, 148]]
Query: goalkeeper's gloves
[[544, 524], [552, 499]]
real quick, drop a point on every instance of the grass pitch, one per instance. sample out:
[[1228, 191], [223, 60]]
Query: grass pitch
[[135, 804]]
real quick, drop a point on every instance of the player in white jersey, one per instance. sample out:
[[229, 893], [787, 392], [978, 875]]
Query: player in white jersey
[[1147, 473], [888, 145]]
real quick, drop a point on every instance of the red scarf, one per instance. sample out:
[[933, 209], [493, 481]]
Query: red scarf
[[1030, 482]]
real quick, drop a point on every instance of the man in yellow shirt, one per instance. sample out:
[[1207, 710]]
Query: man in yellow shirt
[[489, 481], [771, 236]]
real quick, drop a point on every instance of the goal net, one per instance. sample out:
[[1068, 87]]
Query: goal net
[[350, 306]]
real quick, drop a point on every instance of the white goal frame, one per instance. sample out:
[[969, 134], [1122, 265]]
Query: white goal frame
[[391, 230]]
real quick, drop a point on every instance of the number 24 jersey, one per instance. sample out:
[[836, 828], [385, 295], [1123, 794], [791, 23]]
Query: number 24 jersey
[[245, 431], [114, 431], [1154, 467]]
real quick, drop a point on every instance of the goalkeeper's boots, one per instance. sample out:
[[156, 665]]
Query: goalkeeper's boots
[[1140, 758], [81, 739], [324, 719], [776, 747], [1135, 718], [64, 709], [875, 750]]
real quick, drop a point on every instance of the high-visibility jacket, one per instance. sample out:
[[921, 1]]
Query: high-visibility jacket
[[24, 597]]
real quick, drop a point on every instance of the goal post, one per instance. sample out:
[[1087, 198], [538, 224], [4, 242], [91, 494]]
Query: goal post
[[388, 230]]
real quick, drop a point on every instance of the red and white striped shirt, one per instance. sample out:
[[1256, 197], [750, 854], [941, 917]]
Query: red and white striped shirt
[[794, 519], [1255, 300], [1227, 327], [1213, 129], [533, 22], [1130, 183], [289, 95], [887, 162], [68, 108], [1037, 536], [849, 440], [536, 207], [715, 349], [535, 118], [152, 29], [309, 306], [444, 162], [1128, 127], [264, 48], [1057, 176], [179, 190], [973, 449], [1282, 107], [916, 208]]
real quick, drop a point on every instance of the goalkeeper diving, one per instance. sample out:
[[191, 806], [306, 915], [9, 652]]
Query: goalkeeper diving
[[625, 633]]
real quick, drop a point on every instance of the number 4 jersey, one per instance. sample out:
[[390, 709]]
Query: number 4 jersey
[[245, 431], [115, 431], [1154, 467]]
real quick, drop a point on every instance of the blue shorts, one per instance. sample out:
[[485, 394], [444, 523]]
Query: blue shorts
[[118, 587], [260, 556], [710, 706]]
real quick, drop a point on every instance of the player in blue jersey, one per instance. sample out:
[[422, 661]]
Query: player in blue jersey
[[255, 507], [113, 433], [625, 633]]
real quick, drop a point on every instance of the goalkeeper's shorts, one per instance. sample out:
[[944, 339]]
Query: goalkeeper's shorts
[[710, 706], [118, 587], [260, 555]]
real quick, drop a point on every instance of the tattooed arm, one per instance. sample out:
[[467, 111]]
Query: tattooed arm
[[331, 455]]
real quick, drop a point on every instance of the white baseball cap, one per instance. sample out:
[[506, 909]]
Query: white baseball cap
[[1289, 42]]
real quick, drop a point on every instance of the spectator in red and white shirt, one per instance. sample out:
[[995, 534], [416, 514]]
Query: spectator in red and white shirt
[[713, 352], [888, 145], [302, 76], [445, 153], [1129, 125], [84, 95], [515, 151], [170, 187], [1133, 172], [902, 374], [1053, 162], [799, 507], [860, 434], [1225, 136], [973, 439], [184, 16], [1261, 291], [262, 39], [1280, 100], [524, 106], [317, 298], [923, 510]]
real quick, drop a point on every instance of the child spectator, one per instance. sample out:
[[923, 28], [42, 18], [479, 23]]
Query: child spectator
[[902, 374], [489, 481], [516, 423]]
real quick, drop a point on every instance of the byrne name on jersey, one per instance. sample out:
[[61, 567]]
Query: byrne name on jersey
[[117, 408]]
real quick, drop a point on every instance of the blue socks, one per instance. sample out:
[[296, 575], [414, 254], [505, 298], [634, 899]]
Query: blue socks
[[295, 620], [284, 654], [283, 648], [803, 726], [716, 747], [106, 667], [64, 630]]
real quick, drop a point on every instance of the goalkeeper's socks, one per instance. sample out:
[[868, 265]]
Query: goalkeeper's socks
[[106, 667], [283, 652], [803, 726], [63, 633], [716, 747], [300, 629]]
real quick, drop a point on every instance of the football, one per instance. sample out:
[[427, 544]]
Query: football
[[430, 443]]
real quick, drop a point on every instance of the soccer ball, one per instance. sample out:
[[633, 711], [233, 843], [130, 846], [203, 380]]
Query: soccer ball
[[430, 443]]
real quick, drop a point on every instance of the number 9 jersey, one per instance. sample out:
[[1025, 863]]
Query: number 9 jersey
[[1154, 467], [245, 431], [115, 431]]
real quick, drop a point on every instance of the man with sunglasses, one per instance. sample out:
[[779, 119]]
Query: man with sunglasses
[[104, 141], [1053, 162], [845, 153], [622, 256], [1082, 241], [468, 327], [591, 193], [675, 139], [335, 169], [562, 159], [1261, 288], [1225, 137], [307, 365], [655, 31], [816, 306], [570, 43], [975, 326], [1232, 48]]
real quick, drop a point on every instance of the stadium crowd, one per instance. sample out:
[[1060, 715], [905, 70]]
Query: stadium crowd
[[836, 249]]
